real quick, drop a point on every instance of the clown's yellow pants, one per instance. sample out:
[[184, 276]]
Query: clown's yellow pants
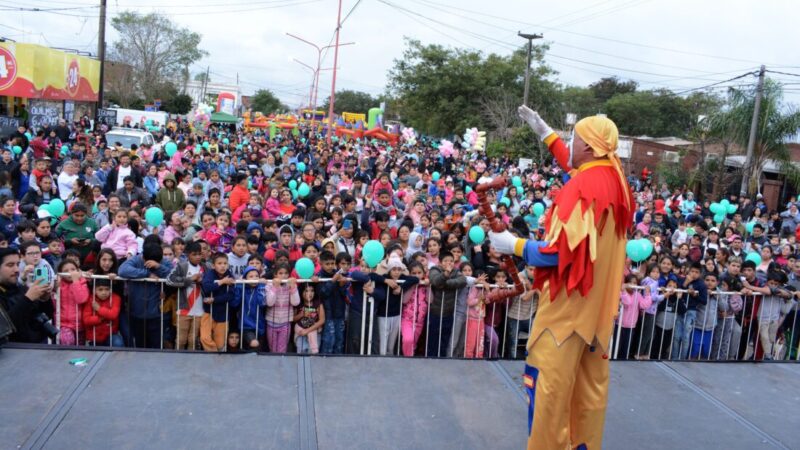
[[567, 387]]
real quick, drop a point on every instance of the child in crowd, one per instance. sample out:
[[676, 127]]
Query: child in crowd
[[217, 295], [669, 309], [702, 335], [696, 295], [309, 319], [220, 235], [74, 294], [728, 332], [333, 294], [415, 307], [118, 237], [476, 302], [520, 314], [445, 282], [494, 316], [253, 299], [282, 296], [772, 310], [651, 284], [101, 316], [389, 290], [238, 256], [187, 277]]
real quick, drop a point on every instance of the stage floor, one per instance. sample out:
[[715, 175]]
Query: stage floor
[[135, 400]]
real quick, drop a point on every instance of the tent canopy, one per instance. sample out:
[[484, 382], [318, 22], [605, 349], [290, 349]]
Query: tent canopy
[[221, 117]]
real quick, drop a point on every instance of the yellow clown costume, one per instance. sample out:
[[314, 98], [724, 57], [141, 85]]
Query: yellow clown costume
[[579, 267]]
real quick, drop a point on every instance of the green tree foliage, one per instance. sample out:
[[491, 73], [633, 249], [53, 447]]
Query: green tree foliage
[[156, 49], [777, 122], [177, 104], [606, 88], [351, 101], [266, 102], [439, 90]]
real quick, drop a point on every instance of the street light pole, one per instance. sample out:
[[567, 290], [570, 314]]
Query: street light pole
[[101, 55], [333, 83], [530, 38], [319, 62]]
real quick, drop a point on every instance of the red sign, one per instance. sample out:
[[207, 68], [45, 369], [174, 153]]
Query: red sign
[[8, 68]]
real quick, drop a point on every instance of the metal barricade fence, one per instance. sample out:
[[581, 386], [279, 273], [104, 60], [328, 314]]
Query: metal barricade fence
[[474, 329]]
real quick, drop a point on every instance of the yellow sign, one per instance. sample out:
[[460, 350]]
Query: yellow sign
[[34, 71], [353, 117]]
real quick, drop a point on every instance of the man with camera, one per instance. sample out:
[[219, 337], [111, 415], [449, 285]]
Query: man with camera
[[28, 307]]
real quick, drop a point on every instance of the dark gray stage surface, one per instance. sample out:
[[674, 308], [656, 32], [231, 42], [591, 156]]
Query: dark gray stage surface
[[158, 400]]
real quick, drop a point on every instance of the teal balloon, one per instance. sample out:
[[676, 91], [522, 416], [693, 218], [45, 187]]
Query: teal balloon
[[29, 136], [538, 209], [245, 142], [154, 216], [239, 146], [646, 247], [304, 268], [468, 189], [725, 203], [293, 184], [668, 210], [249, 184], [206, 145], [303, 140], [226, 141], [303, 190], [56, 207], [732, 208], [749, 226], [301, 166], [294, 194], [435, 176], [505, 201], [171, 148], [16, 149], [149, 122], [477, 235], [65, 149], [716, 208], [753, 256], [719, 218], [516, 181], [373, 253], [95, 210]]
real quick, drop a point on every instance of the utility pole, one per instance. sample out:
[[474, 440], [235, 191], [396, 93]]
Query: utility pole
[[530, 38], [205, 85], [101, 55], [751, 143], [333, 83]]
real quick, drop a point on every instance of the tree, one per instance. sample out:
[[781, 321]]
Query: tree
[[202, 77], [777, 122], [439, 89], [351, 101], [265, 102], [608, 87], [177, 104], [157, 49]]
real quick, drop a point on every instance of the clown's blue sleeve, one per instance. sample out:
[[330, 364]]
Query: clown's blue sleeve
[[537, 254]]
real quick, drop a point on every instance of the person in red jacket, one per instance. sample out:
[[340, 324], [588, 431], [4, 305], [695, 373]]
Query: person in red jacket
[[286, 243], [101, 316], [240, 195]]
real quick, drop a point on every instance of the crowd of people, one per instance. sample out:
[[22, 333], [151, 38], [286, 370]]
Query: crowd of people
[[194, 243]]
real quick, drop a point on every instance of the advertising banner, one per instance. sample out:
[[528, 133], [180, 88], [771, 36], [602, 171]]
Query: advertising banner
[[34, 71]]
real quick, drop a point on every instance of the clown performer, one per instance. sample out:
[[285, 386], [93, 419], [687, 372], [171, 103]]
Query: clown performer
[[579, 268]]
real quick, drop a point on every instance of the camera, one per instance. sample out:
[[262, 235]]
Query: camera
[[48, 326]]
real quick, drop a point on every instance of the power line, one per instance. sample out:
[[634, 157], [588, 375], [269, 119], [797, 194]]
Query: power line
[[285, 4], [784, 73], [718, 83], [484, 14], [18, 8]]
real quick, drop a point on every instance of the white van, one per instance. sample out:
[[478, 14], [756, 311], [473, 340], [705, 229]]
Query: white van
[[129, 136]]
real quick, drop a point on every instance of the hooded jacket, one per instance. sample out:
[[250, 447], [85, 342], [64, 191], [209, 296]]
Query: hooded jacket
[[253, 298], [144, 297], [170, 199], [295, 252]]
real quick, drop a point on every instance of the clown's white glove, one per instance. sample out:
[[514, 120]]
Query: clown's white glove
[[532, 118], [505, 242]]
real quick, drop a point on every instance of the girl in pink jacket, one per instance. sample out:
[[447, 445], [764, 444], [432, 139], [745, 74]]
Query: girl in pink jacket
[[415, 308], [633, 301], [117, 237], [476, 312], [281, 300], [273, 206], [73, 293]]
